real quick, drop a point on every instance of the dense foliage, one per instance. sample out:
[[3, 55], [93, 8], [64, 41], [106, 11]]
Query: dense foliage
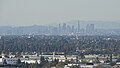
[[67, 44]]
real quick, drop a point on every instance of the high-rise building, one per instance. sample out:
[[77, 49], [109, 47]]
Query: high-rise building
[[90, 28], [68, 29], [73, 28], [59, 28], [64, 28], [78, 26], [87, 28]]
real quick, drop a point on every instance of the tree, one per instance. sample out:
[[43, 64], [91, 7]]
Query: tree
[[96, 60], [4, 61], [42, 61], [26, 65], [18, 61], [107, 61], [60, 65], [56, 61]]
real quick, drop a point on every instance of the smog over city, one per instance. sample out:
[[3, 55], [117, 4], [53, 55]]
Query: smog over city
[[59, 33]]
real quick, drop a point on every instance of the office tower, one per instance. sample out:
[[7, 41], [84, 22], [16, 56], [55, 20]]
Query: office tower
[[68, 29], [64, 28], [59, 29], [87, 28], [78, 26], [92, 27], [73, 28]]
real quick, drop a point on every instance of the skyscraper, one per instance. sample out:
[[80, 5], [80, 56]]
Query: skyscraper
[[73, 28], [68, 29], [64, 28], [59, 29], [90, 29], [87, 28], [78, 26]]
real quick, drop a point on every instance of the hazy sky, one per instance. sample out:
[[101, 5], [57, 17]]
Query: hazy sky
[[29, 12]]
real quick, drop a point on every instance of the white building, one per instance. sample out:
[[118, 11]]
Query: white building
[[12, 61]]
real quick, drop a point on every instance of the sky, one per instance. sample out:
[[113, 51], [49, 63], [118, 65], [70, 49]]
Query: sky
[[31, 12]]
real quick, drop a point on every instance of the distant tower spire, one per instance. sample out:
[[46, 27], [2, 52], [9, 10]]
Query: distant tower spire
[[78, 26], [59, 29]]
